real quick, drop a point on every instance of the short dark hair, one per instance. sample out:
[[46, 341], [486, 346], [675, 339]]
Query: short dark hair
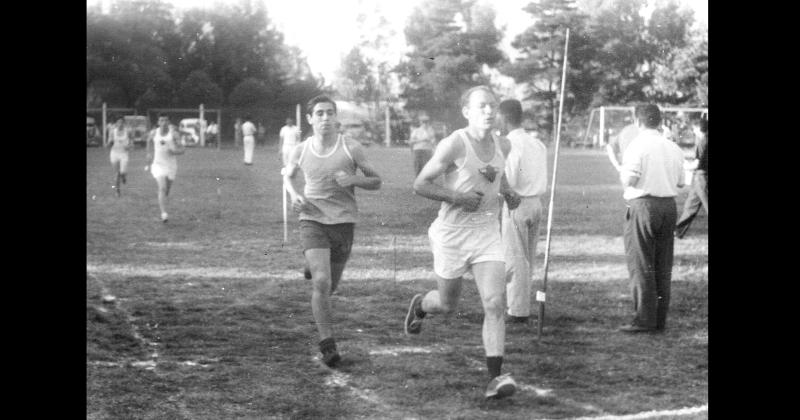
[[466, 95], [248, 117], [649, 115], [704, 125], [511, 110], [319, 99], [162, 114]]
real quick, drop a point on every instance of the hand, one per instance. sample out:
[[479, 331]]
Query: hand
[[300, 203], [469, 201], [343, 179], [512, 199]]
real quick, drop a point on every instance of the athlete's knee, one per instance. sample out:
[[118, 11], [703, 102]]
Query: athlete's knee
[[494, 303], [321, 283]]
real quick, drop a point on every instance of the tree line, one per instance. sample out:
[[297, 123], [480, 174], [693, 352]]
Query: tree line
[[143, 54]]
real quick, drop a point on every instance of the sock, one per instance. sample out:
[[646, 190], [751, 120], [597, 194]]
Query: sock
[[494, 364], [327, 345], [419, 312]]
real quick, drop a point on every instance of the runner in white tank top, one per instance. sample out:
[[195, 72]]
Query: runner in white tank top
[[466, 234], [162, 150], [120, 143]]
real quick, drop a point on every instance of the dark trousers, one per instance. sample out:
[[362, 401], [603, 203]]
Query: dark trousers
[[421, 157], [698, 197], [649, 226]]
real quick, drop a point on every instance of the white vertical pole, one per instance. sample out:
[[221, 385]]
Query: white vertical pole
[[104, 124], [285, 211], [202, 127], [388, 137], [299, 123], [602, 126], [542, 295]]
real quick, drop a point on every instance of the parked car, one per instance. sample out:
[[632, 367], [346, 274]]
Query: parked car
[[94, 138], [189, 130]]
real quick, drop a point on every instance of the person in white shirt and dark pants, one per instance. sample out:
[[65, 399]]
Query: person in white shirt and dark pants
[[652, 173], [526, 170]]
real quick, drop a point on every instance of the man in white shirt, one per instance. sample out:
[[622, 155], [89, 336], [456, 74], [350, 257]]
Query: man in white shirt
[[652, 173], [289, 138], [422, 141], [526, 170], [249, 139]]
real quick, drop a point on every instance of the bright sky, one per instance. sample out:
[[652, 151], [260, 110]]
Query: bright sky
[[326, 29]]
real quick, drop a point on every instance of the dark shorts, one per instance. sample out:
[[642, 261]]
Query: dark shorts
[[338, 238]]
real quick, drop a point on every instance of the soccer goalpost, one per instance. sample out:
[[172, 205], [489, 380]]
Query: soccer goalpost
[[611, 119]]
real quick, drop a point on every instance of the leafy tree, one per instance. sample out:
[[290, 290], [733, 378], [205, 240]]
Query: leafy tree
[[251, 92], [682, 77], [128, 47], [539, 68], [356, 80], [198, 88], [452, 40]]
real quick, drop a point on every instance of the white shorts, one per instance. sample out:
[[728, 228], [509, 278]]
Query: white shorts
[[159, 170], [457, 248], [122, 158]]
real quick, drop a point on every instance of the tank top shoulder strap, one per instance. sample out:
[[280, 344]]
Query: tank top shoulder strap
[[303, 151], [468, 150], [346, 149], [498, 150]]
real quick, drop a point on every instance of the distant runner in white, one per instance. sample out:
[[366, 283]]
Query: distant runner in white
[[163, 147]]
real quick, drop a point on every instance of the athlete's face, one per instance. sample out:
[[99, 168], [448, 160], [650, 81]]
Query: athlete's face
[[323, 118], [120, 122], [163, 122], [480, 111]]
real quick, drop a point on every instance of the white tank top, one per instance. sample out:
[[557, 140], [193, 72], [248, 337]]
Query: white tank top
[[161, 146], [334, 204], [120, 140], [468, 177]]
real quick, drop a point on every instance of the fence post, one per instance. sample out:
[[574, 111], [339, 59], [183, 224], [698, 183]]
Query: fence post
[[202, 128], [103, 128], [388, 137]]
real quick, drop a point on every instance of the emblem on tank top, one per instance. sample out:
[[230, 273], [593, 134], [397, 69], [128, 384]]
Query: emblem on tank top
[[488, 172]]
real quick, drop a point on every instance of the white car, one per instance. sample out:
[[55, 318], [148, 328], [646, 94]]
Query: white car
[[189, 130]]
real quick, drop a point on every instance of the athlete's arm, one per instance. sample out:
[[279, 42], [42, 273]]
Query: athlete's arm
[[444, 157], [371, 180], [150, 139], [612, 156], [178, 147], [291, 180]]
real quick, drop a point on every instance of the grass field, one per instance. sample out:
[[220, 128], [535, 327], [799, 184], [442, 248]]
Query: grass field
[[212, 316]]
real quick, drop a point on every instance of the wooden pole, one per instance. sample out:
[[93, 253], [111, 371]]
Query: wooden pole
[[541, 295], [299, 123], [103, 128], [602, 126], [388, 137], [202, 127]]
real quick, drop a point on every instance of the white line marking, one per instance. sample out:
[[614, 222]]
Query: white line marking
[[396, 351], [652, 414]]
